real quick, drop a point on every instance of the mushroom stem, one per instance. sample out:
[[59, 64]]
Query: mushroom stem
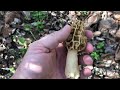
[[72, 69]]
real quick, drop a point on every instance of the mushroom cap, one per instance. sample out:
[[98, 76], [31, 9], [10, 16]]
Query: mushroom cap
[[77, 39]]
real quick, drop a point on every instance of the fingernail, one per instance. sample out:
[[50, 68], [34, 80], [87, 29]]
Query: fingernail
[[89, 48], [67, 27], [87, 60], [87, 72], [89, 34]]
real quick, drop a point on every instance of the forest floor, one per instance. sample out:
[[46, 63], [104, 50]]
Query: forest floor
[[20, 28]]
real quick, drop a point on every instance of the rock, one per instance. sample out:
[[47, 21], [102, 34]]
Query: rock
[[90, 77], [72, 13], [61, 11], [16, 21], [117, 66], [118, 34], [110, 73], [97, 33], [107, 23], [96, 77], [99, 71], [112, 32], [2, 47], [116, 76], [2, 13], [8, 40], [109, 49], [117, 16], [96, 69], [116, 12], [46, 30], [53, 14], [108, 63], [78, 13], [51, 31], [92, 20], [34, 24], [100, 39], [27, 14], [28, 41], [109, 13], [104, 15], [106, 77]]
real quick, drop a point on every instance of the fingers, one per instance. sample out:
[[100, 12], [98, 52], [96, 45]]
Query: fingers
[[89, 34], [85, 73], [85, 60], [89, 48], [51, 41]]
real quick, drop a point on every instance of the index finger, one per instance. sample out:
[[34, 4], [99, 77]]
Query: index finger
[[52, 40], [89, 34]]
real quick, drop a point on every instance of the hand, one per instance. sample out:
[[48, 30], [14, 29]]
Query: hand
[[45, 58]]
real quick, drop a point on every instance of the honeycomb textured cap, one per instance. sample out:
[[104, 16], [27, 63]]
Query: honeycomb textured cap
[[77, 39]]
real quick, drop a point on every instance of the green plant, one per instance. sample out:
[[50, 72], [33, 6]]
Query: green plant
[[27, 27], [99, 50], [84, 12], [12, 70], [101, 45], [22, 51], [38, 15], [95, 55], [39, 25], [22, 41]]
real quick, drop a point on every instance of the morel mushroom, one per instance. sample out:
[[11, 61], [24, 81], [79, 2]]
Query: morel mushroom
[[75, 43]]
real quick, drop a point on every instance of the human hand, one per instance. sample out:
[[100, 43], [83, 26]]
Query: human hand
[[46, 58]]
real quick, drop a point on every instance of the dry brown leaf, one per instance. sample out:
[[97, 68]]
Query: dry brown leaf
[[6, 31], [2, 47], [92, 19], [10, 15], [118, 34], [117, 16], [117, 53]]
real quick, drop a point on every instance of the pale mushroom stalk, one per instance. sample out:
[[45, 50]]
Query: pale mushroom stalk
[[72, 69], [75, 43]]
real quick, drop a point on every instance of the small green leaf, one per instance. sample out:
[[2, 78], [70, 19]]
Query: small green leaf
[[101, 50], [12, 70], [95, 55], [38, 15], [27, 27], [100, 45], [21, 41], [22, 51]]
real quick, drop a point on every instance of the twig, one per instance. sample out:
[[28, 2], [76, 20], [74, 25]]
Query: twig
[[32, 35]]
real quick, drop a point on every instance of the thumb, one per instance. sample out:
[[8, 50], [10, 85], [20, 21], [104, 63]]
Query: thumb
[[52, 40]]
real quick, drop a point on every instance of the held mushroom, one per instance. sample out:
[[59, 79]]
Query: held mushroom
[[75, 43]]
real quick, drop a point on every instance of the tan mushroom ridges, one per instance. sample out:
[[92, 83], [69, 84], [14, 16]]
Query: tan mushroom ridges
[[75, 43]]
